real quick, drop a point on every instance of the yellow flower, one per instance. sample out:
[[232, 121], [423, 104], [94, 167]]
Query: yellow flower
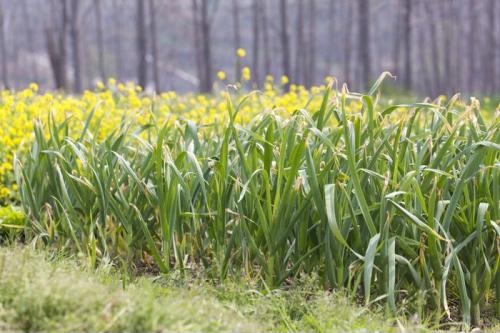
[[240, 52], [221, 75], [99, 85], [284, 79], [246, 74], [33, 86]]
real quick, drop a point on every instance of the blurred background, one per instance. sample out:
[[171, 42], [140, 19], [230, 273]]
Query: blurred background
[[432, 46]]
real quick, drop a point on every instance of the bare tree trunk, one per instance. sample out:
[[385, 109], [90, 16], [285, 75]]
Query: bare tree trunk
[[56, 48], [237, 37], [457, 38], [207, 53], [407, 45], [255, 44], [141, 45], [265, 37], [75, 45], [348, 43], [300, 57], [426, 80], [311, 66], [197, 44], [117, 40], [154, 44], [3, 51], [444, 19], [364, 42], [436, 66], [29, 39], [491, 50], [285, 43], [99, 37], [331, 34], [397, 40], [472, 46]]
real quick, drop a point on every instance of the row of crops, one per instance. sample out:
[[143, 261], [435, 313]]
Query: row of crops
[[395, 203]]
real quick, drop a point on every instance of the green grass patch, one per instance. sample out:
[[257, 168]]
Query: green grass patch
[[44, 292]]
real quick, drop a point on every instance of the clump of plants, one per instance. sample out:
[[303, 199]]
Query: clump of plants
[[397, 204]]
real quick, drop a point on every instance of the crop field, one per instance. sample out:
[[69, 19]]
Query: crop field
[[395, 204]]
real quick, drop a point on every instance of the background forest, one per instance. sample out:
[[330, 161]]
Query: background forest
[[432, 46]]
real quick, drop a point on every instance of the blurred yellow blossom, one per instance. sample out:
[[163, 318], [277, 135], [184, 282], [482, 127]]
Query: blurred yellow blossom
[[241, 53], [221, 75], [246, 74]]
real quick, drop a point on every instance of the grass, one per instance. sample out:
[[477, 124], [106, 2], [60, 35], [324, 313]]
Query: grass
[[43, 292], [398, 205]]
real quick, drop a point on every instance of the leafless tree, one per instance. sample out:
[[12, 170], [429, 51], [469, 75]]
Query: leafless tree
[[348, 43], [154, 44], [141, 44], [197, 43], [407, 44], [75, 44], [256, 41], [471, 47], [491, 50], [117, 40], [311, 66], [265, 36], [202, 43], [30, 40], [300, 47], [397, 39], [237, 37], [99, 38], [207, 46], [364, 42], [434, 45], [285, 42], [56, 44], [3, 50], [331, 34]]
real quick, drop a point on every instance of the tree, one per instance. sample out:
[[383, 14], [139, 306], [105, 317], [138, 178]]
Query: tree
[[491, 50], [265, 36], [30, 41], [396, 52], [141, 44], [445, 24], [237, 37], [154, 44], [363, 42], [331, 35], [435, 54], [300, 47], [99, 38], [3, 51], [472, 45], [348, 43], [56, 45], [207, 49], [407, 45], [197, 43], [75, 44], [285, 43], [311, 66], [255, 41], [202, 44], [117, 40]]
